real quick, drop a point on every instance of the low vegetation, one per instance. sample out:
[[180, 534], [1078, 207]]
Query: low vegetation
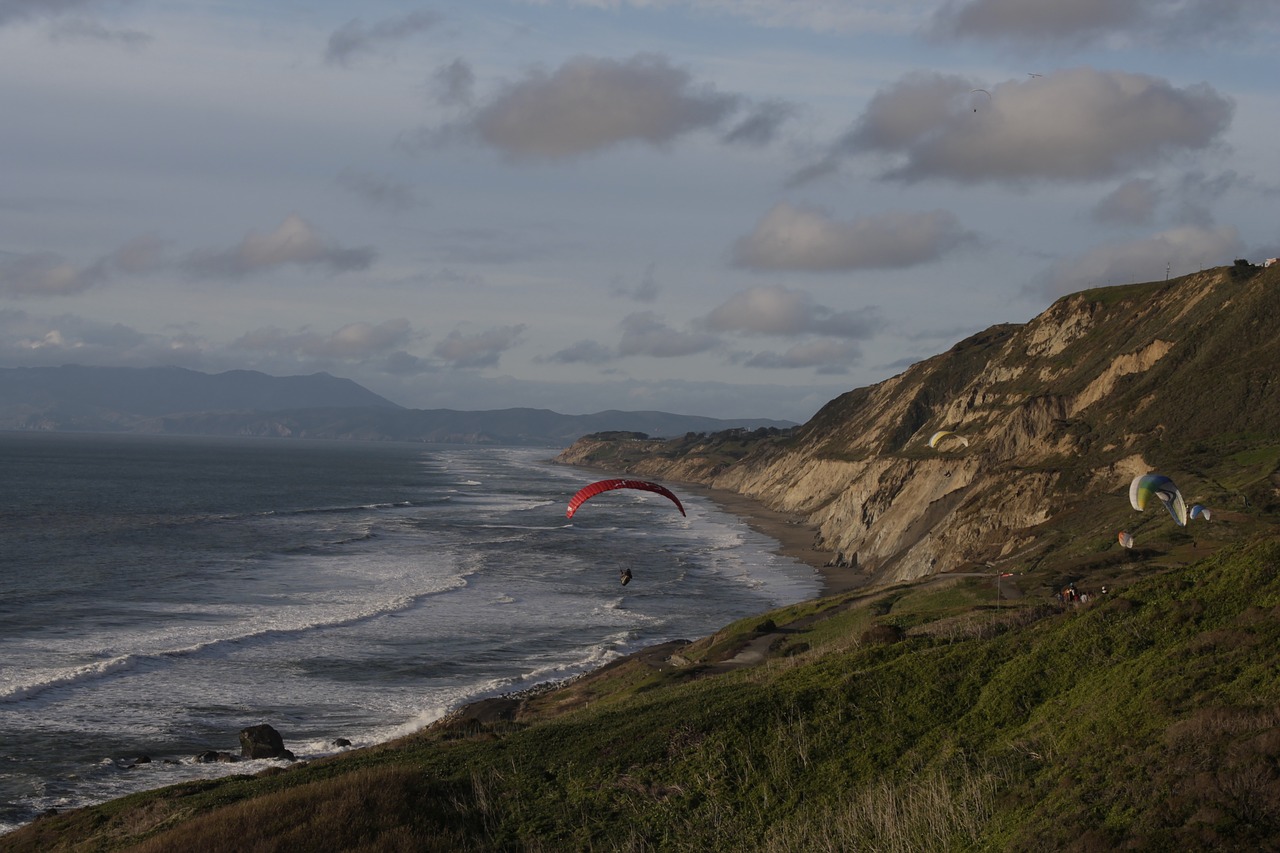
[[921, 717]]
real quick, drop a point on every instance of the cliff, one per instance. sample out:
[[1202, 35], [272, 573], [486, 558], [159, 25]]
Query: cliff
[[1059, 413]]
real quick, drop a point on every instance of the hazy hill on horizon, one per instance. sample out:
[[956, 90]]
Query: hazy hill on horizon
[[179, 401]]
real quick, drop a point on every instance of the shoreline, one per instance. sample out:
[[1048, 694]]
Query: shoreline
[[794, 538]]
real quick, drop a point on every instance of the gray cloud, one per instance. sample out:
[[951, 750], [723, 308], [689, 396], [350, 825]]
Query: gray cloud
[[829, 356], [583, 352], [778, 310], [23, 10], [646, 333], [801, 238], [455, 83], [293, 242], [761, 125], [353, 342], [31, 340], [590, 104], [645, 291], [1081, 22], [1132, 203], [1179, 250], [385, 193], [38, 274], [354, 38], [482, 349], [1078, 124], [89, 30]]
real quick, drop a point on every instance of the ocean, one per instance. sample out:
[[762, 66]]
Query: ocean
[[159, 594]]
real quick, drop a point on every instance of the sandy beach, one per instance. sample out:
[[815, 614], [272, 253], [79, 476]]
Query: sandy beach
[[794, 537]]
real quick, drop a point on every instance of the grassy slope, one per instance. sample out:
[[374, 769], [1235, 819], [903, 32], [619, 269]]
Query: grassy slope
[[1147, 719]]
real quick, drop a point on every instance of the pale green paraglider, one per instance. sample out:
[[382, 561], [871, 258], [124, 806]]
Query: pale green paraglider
[[1198, 511], [943, 434], [1145, 486]]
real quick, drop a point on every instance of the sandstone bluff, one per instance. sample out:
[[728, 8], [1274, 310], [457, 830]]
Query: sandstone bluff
[[1060, 414]]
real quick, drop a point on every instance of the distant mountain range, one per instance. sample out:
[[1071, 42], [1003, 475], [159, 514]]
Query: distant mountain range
[[177, 401]]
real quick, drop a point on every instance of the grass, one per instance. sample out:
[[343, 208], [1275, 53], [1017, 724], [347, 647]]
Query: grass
[[1147, 720]]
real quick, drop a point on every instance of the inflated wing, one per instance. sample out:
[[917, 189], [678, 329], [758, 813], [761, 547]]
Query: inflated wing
[[1146, 486], [1126, 540], [946, 435], [1198, 511], [587, 492]]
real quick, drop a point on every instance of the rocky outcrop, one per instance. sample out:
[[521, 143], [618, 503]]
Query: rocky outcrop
[[263, 741], [1058, 412]]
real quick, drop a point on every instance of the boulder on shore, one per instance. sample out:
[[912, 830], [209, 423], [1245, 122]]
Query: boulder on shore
[[262, 741]]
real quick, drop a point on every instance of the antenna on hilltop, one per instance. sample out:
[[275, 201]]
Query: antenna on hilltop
[[1167, 268]]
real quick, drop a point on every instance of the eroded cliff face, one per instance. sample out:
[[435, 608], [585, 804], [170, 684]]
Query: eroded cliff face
[[1057, 412]]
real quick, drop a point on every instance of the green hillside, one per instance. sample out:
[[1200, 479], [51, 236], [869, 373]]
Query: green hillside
[[916, 718]]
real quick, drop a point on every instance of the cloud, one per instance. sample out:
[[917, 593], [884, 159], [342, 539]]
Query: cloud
[[22, 10], [829, 356], [1132, 203], [646, 291], [778, 310], [824, 16], [40, 274], [1078, 124], [802, 238], [591, 104], [353, 38], [454, 83], [479, 350], [1177, 250], [761, 125], [293, 242], [1083, 22], [646, 333], [352, 342], [88, 30], [583, 352], [387, 194], [33, 340]]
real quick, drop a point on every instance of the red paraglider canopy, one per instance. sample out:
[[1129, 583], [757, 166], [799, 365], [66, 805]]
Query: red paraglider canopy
[[587, 492]]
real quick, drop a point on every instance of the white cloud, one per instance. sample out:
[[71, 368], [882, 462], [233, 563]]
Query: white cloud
[[802, 238], [293, 242], [1077, 124]]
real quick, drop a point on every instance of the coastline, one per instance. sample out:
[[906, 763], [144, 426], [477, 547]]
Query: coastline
[[794, 538]]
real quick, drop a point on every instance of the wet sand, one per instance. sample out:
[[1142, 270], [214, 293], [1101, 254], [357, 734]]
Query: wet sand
[[794, 538]]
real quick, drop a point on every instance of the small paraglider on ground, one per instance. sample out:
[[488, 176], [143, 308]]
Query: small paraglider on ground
[[944, 437]]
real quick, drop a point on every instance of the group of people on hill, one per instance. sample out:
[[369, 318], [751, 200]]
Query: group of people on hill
[[1070, 596]]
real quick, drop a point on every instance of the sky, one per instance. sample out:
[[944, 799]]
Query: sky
[[731, 208]]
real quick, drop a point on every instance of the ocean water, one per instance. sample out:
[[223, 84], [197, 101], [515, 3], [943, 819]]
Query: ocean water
[[159, 594]]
